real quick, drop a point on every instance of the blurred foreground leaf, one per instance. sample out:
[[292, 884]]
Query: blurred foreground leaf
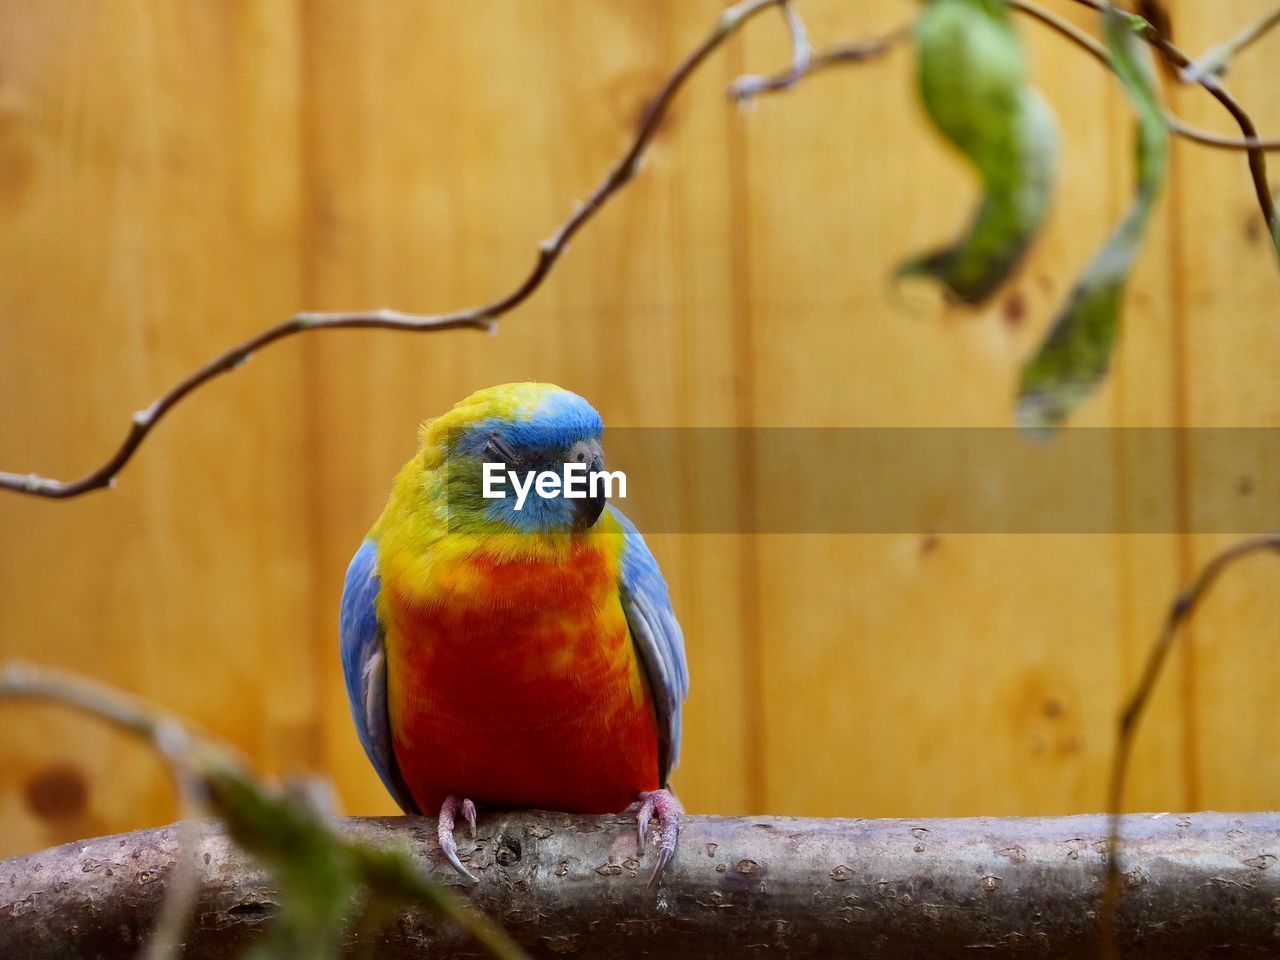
[[971, 71], [328, 882], [330, 886], [317, 879], [1076, 354]]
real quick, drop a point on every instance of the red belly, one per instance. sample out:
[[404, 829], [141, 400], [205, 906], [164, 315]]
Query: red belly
[[531, 698]]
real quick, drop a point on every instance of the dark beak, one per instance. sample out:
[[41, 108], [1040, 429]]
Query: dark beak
[[587, 511]]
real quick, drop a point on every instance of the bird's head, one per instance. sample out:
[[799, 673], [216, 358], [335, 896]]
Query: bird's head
[[526, 433]]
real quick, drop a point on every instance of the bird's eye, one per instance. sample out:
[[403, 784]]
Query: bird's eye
[[497, 447]]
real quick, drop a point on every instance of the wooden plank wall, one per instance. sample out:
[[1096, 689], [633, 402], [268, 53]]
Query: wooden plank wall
[[174, 176]]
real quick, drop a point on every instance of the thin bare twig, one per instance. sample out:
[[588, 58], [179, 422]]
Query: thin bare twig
[[1257, 157], [1176, 125], [1214, 62], [1181, 610], [1210, 139], [1064, 27], [479, 318], [859, 51], [550, 250], [21, 681], [746, 87]]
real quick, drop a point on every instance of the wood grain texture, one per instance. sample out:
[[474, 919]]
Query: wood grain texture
[[1228, 292], [157, 217], [175, 176]]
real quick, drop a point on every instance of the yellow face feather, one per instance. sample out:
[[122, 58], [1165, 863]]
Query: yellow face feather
[[508, 401], [419, 548]]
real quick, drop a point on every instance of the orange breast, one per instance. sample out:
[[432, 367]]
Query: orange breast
[[521, 690]]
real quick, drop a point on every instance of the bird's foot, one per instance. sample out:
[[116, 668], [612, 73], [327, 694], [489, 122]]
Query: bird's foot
[[663, 805], [444, 831]]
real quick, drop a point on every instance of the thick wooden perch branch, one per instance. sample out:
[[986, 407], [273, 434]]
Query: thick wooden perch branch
[[563, 885]]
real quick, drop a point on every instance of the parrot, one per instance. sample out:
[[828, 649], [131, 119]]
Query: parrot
[[513, 652]]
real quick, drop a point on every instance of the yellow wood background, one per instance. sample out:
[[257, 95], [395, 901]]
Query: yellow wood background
[[176, 175]]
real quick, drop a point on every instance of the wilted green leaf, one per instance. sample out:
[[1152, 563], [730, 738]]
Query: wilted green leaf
[[971, 72], [325, 880], [317, 879], [1075, 356]]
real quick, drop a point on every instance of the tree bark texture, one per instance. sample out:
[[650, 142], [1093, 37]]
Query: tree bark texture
[[1195, 885]]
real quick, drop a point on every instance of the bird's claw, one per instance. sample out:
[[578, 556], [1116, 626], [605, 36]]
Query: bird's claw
[[444, 831], [469, 812], [643, 809], [664, 805], [665, 856]]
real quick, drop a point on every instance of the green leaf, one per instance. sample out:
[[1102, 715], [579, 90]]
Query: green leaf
[[329, 887], [317, 880], [1076, 354], [972, 72]]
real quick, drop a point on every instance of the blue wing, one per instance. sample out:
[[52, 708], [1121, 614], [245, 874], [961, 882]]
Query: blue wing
[[364, 665], [658, 640]]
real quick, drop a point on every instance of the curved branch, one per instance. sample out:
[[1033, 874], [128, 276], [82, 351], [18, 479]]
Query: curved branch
[[1216, 60], [1257, 157], [479, 318], [745, 88], [572, 885], [1180, 611], [1176, 125], [1210, 139], [750, 86]]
